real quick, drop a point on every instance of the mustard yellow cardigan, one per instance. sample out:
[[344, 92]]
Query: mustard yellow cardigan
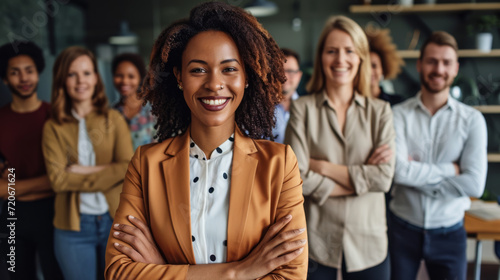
[[112, 144]]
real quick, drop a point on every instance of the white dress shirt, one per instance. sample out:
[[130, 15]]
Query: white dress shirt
[[91, 203], [210, 181], [427, 193]]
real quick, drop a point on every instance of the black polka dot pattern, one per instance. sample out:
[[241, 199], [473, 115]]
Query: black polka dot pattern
[[211, 190], [224, 175], [231, 139], [219, 150], [192, 144], [204, 159], [223, 243], [192, 238], [213, 258], [196, 156], [196, 179]]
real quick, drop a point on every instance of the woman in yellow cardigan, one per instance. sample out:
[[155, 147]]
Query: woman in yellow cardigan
[[212, 200], [87, 148]]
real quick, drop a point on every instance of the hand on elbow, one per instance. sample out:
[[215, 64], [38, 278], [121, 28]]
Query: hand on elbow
[[274, 250], [316, 165], [381, 155], [141, 245]]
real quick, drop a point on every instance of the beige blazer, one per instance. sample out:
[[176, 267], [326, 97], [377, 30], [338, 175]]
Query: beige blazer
[[352, 225], [265, 186]]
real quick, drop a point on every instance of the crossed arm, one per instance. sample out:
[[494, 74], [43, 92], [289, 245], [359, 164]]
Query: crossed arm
[[280, 254], [466, 177], [323, 179]]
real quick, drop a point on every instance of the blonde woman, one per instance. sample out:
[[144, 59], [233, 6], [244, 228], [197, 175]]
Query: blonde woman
[[87, 148], [344, 140]]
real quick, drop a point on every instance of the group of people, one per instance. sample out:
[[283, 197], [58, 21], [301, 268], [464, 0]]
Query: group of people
[[214, 198], [68, 158]]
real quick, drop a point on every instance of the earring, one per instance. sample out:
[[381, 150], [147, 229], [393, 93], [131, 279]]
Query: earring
[[246, 86], [221, 87], [179, 86]]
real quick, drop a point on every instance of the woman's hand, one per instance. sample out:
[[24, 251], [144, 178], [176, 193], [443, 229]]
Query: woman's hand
[[381, 155], [85, 170], [316, 165], [141, 246], [274, 250]]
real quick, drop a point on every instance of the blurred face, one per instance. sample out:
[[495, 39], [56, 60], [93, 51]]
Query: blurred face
[[22, 76], [213, 79], [127, 79], [81, 80], [438, 68], [339, 58], [293, 75], [377, 71]]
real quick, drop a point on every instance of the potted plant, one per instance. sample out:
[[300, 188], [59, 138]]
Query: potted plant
[[483, 26]]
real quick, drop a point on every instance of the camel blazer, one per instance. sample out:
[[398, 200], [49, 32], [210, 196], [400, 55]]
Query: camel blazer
[[265, 186], [112, 145], [353, 225]]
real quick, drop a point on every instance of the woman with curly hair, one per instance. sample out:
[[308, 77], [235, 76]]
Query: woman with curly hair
[[344, 140], [128, 73], [87, 148], [213, 199], [385, 62]]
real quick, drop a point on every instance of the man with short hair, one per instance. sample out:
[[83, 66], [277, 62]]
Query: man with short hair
[[289, 89], [441, 161], [21, 124]]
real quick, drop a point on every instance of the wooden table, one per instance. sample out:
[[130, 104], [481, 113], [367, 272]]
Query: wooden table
[[480, 230]]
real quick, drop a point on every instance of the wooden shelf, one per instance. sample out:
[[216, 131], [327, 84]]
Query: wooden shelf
[[461, 53], [493, 157], [488, 109], [424, 8]]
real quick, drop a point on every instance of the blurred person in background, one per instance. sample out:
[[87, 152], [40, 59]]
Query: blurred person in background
[[385, 62], [87, 148], [21, 124], [441, 161], [293, 76], [128, 73], [344, 142]]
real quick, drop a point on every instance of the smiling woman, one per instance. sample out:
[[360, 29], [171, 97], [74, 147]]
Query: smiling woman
[[213, 200], [87, 149], [344, 141]]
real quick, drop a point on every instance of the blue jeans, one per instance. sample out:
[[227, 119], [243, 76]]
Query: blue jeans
[[443, 251], [81, 253]]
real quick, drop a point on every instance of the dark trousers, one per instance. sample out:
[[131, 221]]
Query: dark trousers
[[443, 251], [317, 271], [34, 234]]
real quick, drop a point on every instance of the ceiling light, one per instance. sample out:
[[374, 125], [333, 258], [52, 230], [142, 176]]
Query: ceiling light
[[261, 8], [124, 36]]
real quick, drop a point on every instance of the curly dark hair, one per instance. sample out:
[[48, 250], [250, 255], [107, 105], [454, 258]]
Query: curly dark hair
[[133, 58], [262, 58], [16, 48], [380, 42]]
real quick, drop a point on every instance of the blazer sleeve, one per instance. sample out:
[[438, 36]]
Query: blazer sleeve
[[56, 161], [378, 177], [316, 186], [119, 265], [291, 202]]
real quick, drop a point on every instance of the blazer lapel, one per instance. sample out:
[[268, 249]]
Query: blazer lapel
[[242, 181], [176, 172]]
